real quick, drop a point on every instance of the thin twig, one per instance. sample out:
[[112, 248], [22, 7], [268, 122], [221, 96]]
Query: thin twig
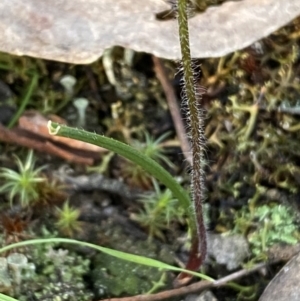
[[94, 88], [195, 287], [162, 76], [27, 139]]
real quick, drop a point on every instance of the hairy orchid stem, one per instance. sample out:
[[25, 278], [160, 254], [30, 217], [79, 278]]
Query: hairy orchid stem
[[195, 119]]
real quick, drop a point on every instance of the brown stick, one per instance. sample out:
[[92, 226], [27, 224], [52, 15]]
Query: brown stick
[[173, 107], [193, 288], [23, 138]]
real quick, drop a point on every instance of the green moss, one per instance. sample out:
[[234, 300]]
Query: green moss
[[116, 277], [59, 275], [268, 225], [113, 277], [253, 126]]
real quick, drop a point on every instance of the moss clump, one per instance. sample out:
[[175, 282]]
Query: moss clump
[[268, 225], [116, 277], [113, 277], [59, 275]]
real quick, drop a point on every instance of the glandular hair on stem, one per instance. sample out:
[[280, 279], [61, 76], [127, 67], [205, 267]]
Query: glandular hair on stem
[[195, 120]]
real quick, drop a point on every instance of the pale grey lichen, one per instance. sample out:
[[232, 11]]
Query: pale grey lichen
[[81, 105], [68, 82]]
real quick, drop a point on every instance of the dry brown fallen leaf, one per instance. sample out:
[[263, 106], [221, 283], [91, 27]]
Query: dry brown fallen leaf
[[78, 31]]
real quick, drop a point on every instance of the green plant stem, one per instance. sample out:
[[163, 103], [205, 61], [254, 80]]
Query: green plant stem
[[127, 152], [199, 244], [240, 288], [157, 285], [25, 100]]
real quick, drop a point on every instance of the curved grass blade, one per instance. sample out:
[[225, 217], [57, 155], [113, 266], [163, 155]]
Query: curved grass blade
[[127, 152], [118, 254]]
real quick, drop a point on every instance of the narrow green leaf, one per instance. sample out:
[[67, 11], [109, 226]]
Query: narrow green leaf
[[127, 152], [25, 100], [6, 298], [118, 254]]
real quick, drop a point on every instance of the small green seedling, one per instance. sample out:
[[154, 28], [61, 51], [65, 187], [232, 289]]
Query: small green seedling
[[67, 219], [160, 209], [151, 148], [22, 185]]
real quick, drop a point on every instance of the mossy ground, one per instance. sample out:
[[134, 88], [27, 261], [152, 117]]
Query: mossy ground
[[252, 128]]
